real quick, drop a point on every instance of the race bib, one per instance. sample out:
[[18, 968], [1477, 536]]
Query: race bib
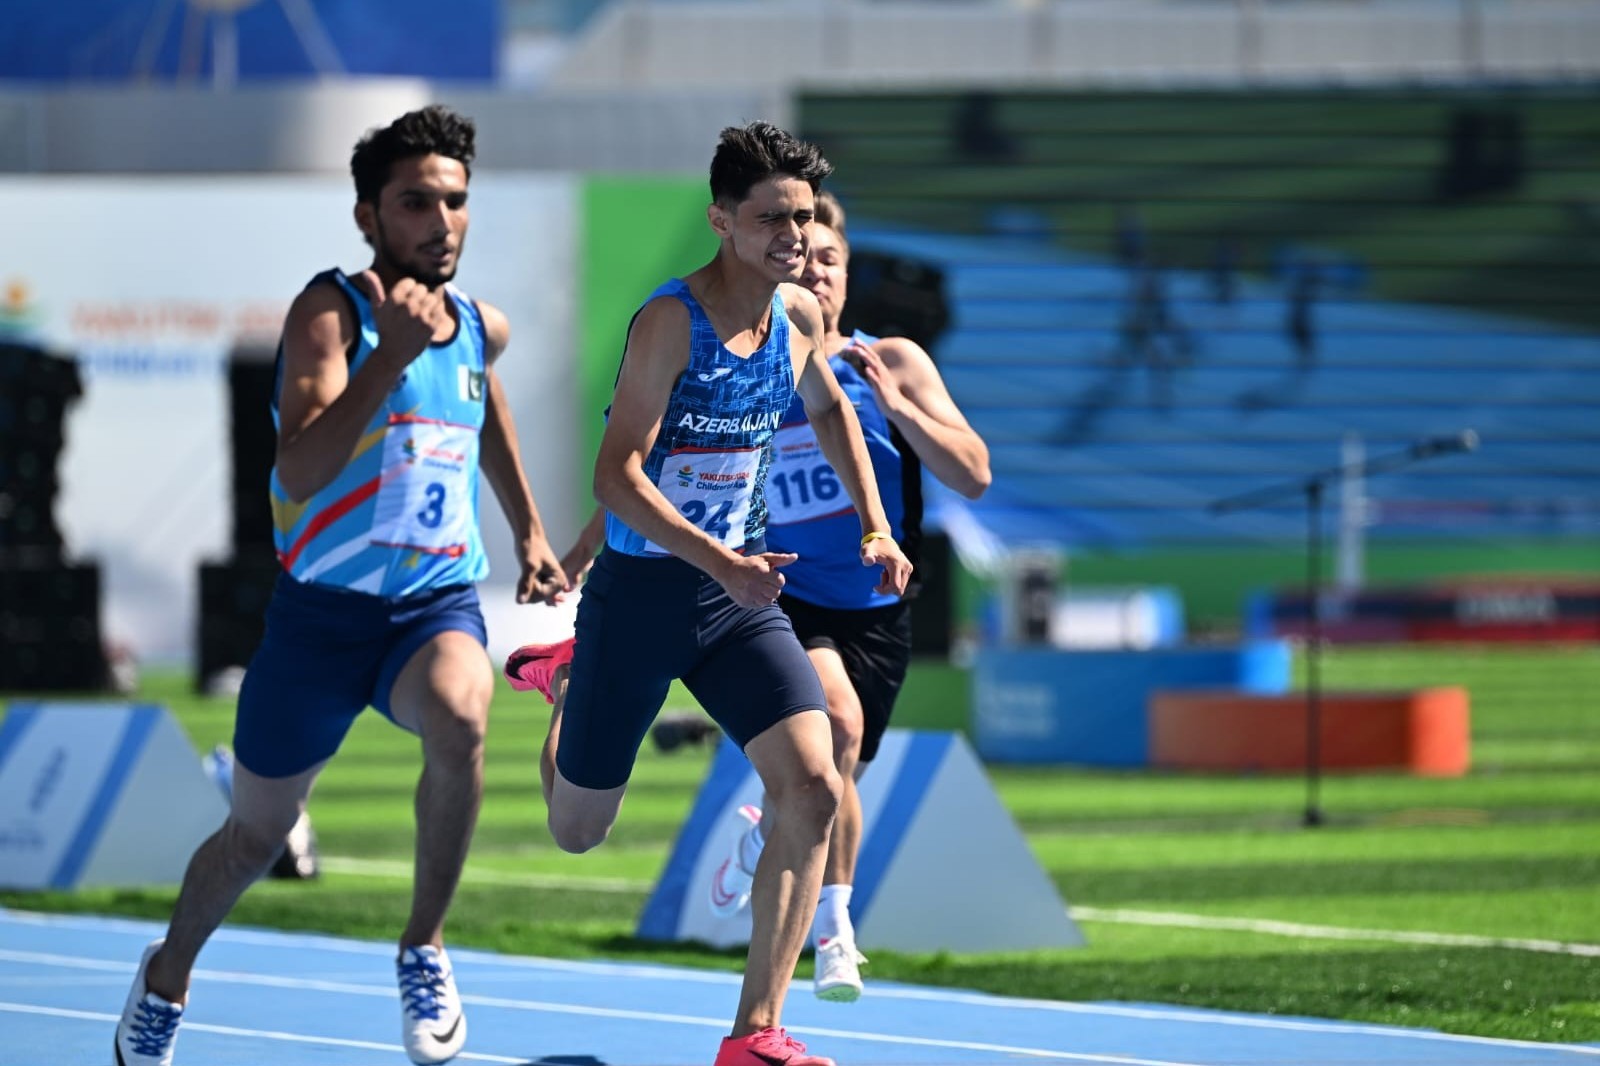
[[424, 497], [802, 485], [712, 490]]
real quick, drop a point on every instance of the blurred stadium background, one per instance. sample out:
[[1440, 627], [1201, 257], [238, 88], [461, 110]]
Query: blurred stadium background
[[1165, 252]]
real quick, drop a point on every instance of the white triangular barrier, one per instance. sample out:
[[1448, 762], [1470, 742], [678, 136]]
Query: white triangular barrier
[[99, 794], [943, 867]]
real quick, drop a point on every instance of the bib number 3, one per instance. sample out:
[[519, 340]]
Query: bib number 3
[[424, 498]]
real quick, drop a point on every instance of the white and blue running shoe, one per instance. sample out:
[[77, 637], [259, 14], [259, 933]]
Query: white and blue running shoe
[[431, 1023], [148, 1028]]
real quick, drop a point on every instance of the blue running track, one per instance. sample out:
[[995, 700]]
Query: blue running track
[[263, 997]]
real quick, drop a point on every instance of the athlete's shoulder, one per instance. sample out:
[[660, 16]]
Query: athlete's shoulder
[[900, 351], [797, 297], [324, 310], [496, 327], [662, 311], [800, 304], [660, 331]]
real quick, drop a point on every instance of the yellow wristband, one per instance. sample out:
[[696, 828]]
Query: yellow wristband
[[874, 535]]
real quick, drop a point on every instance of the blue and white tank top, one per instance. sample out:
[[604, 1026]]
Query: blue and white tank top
[[811, 515], [710, 458], [401, 517]]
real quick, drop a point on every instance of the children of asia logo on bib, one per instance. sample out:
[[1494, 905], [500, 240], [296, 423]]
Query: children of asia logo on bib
[[716, 481], [686, 475], [442, 458]]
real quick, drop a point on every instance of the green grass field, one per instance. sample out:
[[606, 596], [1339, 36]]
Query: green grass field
[[1510, 851]]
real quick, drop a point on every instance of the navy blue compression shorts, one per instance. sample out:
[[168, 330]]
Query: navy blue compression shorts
[[644, 621], [328, 654]]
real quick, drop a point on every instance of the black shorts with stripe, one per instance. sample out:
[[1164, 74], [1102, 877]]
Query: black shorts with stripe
[[875, 645]]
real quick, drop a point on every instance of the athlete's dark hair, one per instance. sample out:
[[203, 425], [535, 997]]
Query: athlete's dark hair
[[434, 130], [830, 213], [749, 155]]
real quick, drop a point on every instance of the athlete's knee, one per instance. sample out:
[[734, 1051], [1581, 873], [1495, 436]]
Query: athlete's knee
[[809, 800], [849, 728], [456, 724], [251, 846], [578, 831], [847, 722], [455, 739]]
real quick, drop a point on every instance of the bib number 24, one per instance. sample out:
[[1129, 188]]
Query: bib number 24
[[714, 520]]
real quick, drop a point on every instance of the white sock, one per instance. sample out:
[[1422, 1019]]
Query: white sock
[[750, 846], [833, 915]]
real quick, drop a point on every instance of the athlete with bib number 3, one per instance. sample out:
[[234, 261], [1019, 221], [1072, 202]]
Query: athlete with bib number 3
[[385, 394], [686, 588]]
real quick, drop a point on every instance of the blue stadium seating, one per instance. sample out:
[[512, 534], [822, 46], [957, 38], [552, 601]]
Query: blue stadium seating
[[1090, 447]]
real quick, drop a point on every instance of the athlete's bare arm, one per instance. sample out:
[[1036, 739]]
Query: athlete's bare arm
[[913, 396], [657, 353], [541, 577], [839, 434], [581, 555], [322, 409]]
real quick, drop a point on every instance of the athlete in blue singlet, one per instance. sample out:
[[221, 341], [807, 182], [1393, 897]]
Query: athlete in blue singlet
[[387, 406], [857, 636], [685, 587]]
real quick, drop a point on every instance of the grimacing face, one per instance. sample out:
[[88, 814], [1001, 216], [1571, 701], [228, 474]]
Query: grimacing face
[[419, 224], [770, 230], [827, 272]]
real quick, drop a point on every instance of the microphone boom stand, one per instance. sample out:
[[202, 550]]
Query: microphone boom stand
[[1312, 486]]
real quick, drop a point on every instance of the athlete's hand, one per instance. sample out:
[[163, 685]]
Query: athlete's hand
[[891, 401], [884, 552], [753, 580], [407, 316], [542, 577], [575, 564]]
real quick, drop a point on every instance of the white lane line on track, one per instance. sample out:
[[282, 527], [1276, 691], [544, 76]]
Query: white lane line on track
[[1327, 932], [718, 1023], [258, 1034], [1155, 1014]]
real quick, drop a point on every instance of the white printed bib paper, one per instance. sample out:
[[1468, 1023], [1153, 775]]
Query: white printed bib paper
[[424, 497], [802, 485], [712, 490]]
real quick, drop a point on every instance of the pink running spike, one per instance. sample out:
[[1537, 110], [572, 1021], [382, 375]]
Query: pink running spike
[[767, 1047], [533, 666]]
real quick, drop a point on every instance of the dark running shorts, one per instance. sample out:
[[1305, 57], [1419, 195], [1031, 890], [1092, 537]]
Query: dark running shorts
[[328, 654], [643, 622], [875, 644]]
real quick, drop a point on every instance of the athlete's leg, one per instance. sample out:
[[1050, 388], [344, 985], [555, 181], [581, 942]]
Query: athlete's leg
[[442, 694], [634, 634], [580, 818], [845, 720], [794, 759], [306, 684], [264, 810]]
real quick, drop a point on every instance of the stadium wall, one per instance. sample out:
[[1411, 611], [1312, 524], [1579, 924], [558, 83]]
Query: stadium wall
[[706, 44]]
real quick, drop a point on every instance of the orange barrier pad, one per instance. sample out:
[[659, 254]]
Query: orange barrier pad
[[1424, 732]]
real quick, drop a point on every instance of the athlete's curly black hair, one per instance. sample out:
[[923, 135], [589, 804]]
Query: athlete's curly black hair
[[434, 130], [749, 155]]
